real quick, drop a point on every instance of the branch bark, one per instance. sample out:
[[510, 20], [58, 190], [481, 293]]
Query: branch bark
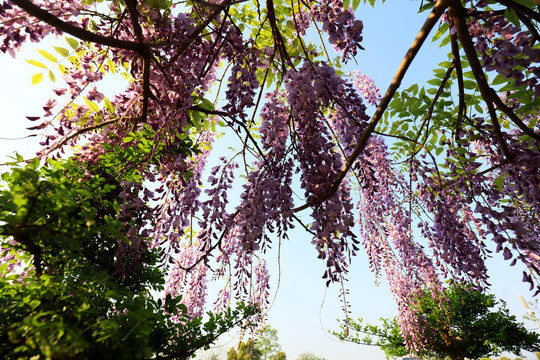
[[76, 31]]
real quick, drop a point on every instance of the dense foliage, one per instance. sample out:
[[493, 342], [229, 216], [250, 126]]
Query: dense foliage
[[465, 325], [245, 351], [67, 290], [463, 163]]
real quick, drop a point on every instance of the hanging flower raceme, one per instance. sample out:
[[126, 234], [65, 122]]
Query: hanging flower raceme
[[188, 279]]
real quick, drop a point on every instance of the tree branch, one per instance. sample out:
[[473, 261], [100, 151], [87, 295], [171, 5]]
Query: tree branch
[[521, 8], [457, 16], [461, 86], [76, 31]]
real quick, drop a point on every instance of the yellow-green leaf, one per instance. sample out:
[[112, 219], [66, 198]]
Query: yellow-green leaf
[[92, 105], [62, 51], [109, 106], [73, 43], [112, 66], [51, 76], [47, 55], [36, 79], [36, 63]]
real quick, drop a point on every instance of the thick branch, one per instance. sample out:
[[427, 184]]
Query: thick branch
[[432, 19], [78, 32], [521, 8], [461, 86], [134, 14], [457, 16], [278, 39]]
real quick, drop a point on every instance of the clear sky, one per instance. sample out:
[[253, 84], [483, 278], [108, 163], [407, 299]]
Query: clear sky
[[304, 309]]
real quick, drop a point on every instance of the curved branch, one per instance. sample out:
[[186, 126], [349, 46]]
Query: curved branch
[[461, 86], [521, 8], [76, 31], [457, 16]]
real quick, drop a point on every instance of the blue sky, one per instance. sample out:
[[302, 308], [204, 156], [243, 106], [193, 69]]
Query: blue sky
[[304, 309]]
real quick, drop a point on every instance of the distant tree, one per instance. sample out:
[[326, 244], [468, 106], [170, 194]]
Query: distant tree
[[460, 326], [280, 356], [309, 356], [245, 351], [268, 343]]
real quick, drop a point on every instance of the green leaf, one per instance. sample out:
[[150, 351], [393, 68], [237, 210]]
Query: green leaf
[[72, 42], [499, 182], [36, 79], [36, 63], [355, 4], [47, 56], [440, 73], [445, 41], [427, 6], [469, 75], [51, 76], [346, 4], [469, 84], [512, 16], [499, 79], [62, 51], [440, 32]]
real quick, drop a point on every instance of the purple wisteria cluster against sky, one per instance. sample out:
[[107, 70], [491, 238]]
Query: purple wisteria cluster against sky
[[312, 128]]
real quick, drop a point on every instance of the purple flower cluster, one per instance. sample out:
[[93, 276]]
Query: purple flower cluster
[[266, 203], [302, 22], [243, 82], [16, 27], [506, 48], [344, 32], [309, 91], [190, 285], [366, 86], [134, 212], [508, 202]]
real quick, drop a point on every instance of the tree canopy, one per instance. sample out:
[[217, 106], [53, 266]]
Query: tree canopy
[[465, 325], [457, 157]]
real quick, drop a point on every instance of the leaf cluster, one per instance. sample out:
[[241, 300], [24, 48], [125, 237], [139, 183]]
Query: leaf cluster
[[64, 291], [464, 323]]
